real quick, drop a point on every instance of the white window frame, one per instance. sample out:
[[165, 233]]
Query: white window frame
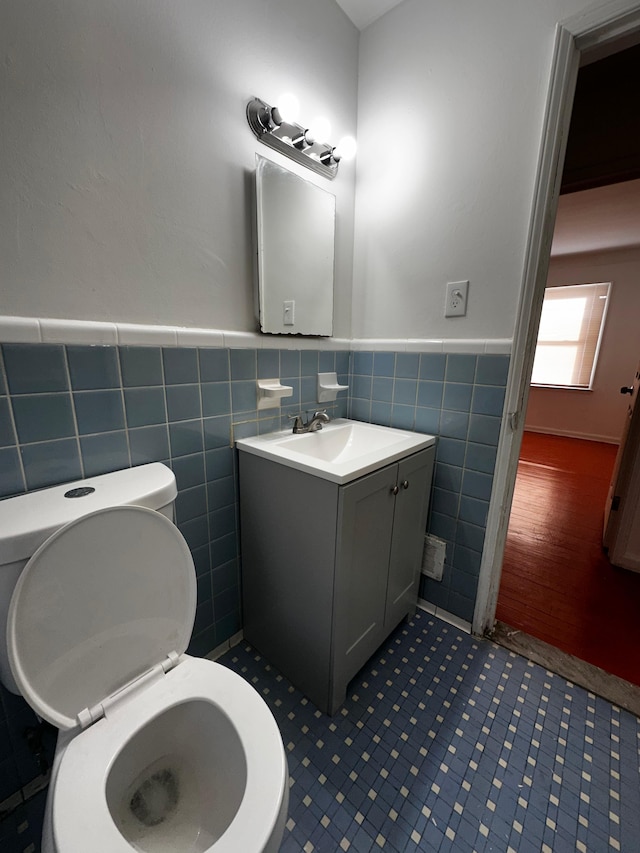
[[567, 288]]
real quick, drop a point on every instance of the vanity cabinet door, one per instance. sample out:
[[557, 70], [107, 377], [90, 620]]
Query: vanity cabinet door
[[409, 524], [365, 526]]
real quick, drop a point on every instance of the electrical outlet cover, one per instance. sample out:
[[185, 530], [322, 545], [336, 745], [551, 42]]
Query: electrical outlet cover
[[456, 301], [433, 556]]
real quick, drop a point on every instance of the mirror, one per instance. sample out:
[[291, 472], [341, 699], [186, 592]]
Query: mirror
[[295, 228]]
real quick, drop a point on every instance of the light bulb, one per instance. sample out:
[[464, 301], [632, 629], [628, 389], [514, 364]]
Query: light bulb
[[303, 140], [345, 149], [288, 107], [320, 129]]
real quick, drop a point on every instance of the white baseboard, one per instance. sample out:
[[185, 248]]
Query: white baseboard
[[586, 436], [224, 647], [451, 618]]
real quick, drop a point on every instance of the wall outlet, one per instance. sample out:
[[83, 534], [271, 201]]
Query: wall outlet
[[456, 301]]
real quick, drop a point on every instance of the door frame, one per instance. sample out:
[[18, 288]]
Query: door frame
[[594, 33]]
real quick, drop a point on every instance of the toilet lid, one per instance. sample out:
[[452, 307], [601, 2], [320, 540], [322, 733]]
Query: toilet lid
[[102, 601]]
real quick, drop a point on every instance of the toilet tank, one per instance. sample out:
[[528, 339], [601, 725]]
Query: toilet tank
[[27, 521]]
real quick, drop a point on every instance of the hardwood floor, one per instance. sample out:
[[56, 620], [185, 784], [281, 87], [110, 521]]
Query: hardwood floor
[[557, 583]]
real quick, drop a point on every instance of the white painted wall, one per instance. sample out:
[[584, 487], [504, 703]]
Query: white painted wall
[[450, 112], [598, 219], [126, 155], [123, 199], [598, 414]]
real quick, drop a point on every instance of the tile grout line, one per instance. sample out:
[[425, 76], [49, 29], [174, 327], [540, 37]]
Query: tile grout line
[[14, 426], [73, 410], [122, 403]]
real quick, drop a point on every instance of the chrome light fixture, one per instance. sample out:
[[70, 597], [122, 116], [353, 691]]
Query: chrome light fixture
[[277, 128]]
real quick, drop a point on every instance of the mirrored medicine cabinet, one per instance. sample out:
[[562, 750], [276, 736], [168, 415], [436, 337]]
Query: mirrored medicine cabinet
[[295, 235]]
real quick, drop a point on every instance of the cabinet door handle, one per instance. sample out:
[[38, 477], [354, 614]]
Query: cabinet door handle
[[405, 484], [394, 489]]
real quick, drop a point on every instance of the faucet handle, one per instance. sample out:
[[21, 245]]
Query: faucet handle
[[298, 423]]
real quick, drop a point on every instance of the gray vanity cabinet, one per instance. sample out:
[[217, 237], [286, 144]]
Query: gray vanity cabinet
[[407, 544], [329, 570]]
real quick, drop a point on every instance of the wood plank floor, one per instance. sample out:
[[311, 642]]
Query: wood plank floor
[[557, 583]]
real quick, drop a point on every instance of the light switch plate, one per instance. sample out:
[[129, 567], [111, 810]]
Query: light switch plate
[[289, 312]]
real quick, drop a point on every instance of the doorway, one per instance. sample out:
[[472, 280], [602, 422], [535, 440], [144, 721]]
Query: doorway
[[602, 32], [557, 582]]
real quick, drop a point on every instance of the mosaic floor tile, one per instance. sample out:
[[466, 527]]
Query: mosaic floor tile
[[449, 743]]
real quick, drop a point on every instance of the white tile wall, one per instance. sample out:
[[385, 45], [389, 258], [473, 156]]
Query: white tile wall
[[40, 330]]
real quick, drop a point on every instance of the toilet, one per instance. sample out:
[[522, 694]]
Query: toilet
[[157, 751]]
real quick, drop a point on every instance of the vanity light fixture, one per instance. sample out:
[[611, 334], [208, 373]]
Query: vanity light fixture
[[277, 128]]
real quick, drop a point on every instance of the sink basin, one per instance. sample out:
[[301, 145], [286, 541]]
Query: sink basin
[[341, 442], [341, 451]]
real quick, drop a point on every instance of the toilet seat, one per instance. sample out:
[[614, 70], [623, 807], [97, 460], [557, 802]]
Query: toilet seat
[[98, 625], [105, 599], [80, 809]]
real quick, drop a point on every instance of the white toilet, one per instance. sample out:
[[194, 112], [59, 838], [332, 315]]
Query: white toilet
[[157, 751]]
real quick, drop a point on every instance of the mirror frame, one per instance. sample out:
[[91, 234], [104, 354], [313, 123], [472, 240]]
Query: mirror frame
[[295, 228]]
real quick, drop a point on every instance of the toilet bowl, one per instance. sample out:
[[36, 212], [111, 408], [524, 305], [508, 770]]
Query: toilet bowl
[[192, 763], [158, 751]]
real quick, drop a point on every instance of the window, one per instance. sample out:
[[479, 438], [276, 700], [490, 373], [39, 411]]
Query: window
[[569, 335]]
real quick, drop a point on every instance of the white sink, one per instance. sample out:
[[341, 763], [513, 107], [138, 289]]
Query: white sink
[[341, 451]]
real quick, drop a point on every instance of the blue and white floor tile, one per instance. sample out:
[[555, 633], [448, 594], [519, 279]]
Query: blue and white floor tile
[[448, 743]]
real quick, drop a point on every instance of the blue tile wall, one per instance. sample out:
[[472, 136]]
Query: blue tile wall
[[72, 411], [459, 398], [68, 412]]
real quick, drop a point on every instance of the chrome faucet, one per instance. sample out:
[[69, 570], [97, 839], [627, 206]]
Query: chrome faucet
[[312, 425]]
